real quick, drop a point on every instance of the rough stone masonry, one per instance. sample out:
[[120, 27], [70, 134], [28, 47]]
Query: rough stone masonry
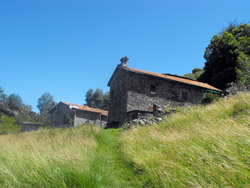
[[133, 90]]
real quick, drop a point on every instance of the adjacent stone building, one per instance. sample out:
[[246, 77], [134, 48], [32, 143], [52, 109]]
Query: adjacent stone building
[[66, 114], [134, 91], [28, 126]]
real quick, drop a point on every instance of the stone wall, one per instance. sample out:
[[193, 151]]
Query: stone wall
[[137, 114], [60, 116], [117, 99], [82, 117], [63, 116], [131, 91], [166, 93]]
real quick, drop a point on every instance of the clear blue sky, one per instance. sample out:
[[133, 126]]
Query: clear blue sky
[[67, 47]]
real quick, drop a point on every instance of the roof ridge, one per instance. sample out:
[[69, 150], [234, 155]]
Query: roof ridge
[[175, 78], [87, 108]]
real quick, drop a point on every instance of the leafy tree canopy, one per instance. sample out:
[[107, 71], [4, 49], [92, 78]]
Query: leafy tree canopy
[[15, 102], [3, 96], [45, 104], [196, 72], [97, 99], [227, 56]]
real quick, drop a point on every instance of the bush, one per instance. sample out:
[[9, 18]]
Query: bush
[[209, 98]]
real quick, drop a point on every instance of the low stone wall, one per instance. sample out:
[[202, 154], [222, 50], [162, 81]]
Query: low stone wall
[[145, 119], [136, 114], [27, 127], [101, 124]]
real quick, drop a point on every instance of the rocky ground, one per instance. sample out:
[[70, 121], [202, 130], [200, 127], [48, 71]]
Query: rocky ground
[[149, 120], [234, 88]]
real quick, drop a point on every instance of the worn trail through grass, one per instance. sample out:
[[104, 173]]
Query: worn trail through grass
[[108, 166]]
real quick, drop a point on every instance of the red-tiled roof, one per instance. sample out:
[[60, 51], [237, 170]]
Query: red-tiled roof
[[87, 108], [175, 78]]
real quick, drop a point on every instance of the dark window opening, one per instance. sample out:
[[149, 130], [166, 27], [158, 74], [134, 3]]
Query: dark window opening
[[135, 116], [152, 89], [65, 119], [185, 96]]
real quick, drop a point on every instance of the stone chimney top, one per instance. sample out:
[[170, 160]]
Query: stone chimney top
[[124, 61]]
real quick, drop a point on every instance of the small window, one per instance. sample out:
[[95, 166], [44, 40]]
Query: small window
[[185, 96], [152, 89]]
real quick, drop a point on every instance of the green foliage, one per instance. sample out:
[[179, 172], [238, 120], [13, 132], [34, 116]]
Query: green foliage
[[243, 69], [223, 55], [3, 96], [23, 112], [196, 72], [89, 97], [45, 104], [97, 99], [15, 102], [209, 98], [8, 124]]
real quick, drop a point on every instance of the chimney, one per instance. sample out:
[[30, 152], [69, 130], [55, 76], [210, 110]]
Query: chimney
[[124, 61]]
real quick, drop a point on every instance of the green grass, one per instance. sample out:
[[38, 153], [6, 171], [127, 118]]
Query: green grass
[[200, 146], [49, 158], [86, 156], [204, 146], [8, 124], [108, 165]]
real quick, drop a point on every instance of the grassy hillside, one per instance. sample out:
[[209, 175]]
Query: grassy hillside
[[77, 157], [204, 146], [197, 147], [8, 124]]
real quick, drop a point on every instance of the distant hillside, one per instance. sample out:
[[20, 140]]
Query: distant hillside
[[10, 121], [13, 112], [199, 146], [8, 124]]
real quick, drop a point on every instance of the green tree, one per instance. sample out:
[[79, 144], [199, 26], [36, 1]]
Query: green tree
[[89, 97], [196, 72], [222, 55], [3, 96], [97, 99], [27, 107], [243, 69], [15, 102], [45, 104], [105, 105]]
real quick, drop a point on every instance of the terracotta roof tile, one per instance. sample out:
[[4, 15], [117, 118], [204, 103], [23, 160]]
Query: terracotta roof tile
[[87, 108], [175, 78]]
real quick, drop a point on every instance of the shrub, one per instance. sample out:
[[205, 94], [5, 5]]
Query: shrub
[[209, 98]]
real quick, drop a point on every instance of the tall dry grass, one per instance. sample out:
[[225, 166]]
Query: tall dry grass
[[204, 146], [49, 158]]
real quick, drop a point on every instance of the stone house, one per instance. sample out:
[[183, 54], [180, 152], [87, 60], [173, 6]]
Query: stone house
[[66, 114], [134, 92], [28, 126]]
